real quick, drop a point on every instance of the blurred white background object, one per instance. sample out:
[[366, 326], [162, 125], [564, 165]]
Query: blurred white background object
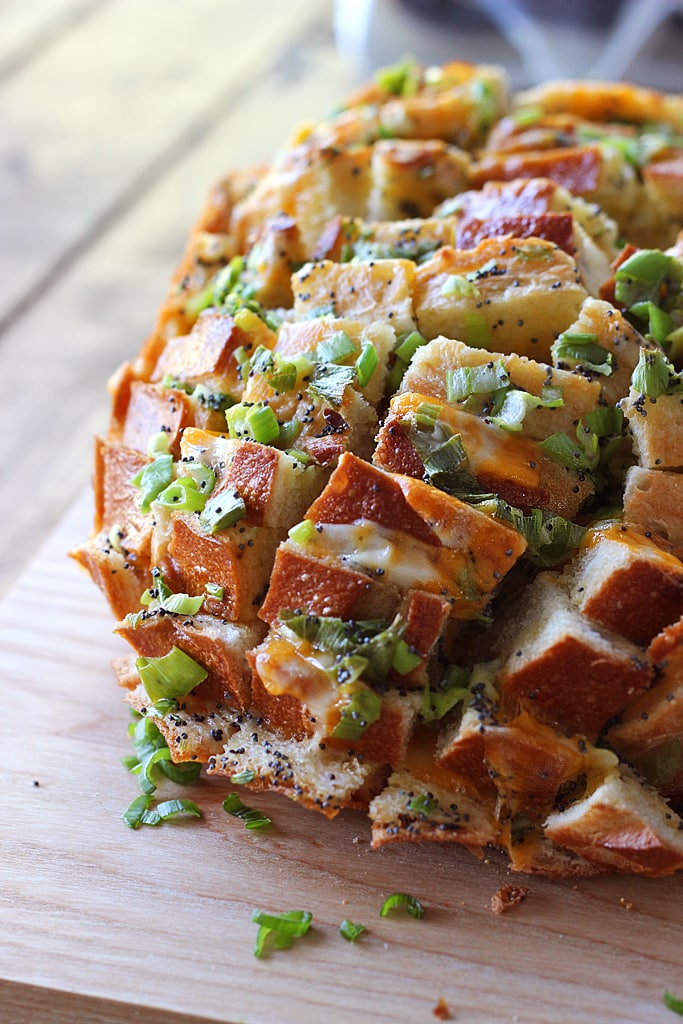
[[641, 40]]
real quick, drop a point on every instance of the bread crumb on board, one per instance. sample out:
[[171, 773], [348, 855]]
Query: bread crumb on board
[[441, 1010], [507, 898]]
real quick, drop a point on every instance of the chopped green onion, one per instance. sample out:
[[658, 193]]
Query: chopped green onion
[[303, 532], [284, 376], [451, 691], [363, 708], [580, 454], [183, 772], [408, 346], [582, 350], [641, 276], [401, 79], [653, 374], [161, 708], [152, 479], [550, 538], [516, 404], [449, 458], [263, 424], [177, 604], [330, 381], [404, 660], [172, 675], [243, 778], [142, 812], [456, 284], [423, 804], [673, 1003], [214, 590], [279, 929], [426, 415], [289, 432], [606, 420], [203, 476], [366, 363], [335, 349], [659, 323], [222, 510], [402, 899], [182, 495], [158, 444], [350, 931], [250, 816], [465, 381], [527, 115]]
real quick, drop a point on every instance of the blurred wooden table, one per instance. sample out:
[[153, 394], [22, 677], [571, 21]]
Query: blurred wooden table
[[116, 117]]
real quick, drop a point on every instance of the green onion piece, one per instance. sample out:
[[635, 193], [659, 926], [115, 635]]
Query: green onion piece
[[580, 454], [199, 301], [291, 922], [534, 252], [158, 444], [335, 349], [169, 809], [606, 420], [263, 424], [350, 931], [279, 929], [222, 510], [465, 381], [426, 415], [146, 771], [659, 324], [303, 532], [330, 381], [641, 276], [152, 479], [451, 691], [582, 350], [132, 816], [363, 708], [447, 459], [423, 804], [284, 377], [243, 778], [172, 675], [550, 538], [402, 899], [527, 115], [227, 279], [262, 360], [653, 374], [252, 818], [218, 401], [408, 345], [401, 79], [456, 284], [289, 432], [183, 773], [177, 604], [161, 708], [202, 475], [516, 404], [302, 457], [366, 363], [673, 1003], [182, 495], [404, 660], [214, 590]]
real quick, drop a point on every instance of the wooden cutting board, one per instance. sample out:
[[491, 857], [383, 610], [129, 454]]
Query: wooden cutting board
[[104, 924]]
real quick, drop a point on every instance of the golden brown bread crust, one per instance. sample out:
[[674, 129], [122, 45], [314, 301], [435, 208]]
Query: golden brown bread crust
[[349, 513]]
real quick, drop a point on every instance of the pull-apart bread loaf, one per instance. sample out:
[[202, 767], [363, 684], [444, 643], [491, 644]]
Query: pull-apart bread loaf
[[390, 509]]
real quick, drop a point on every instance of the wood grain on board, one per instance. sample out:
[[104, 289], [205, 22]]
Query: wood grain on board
[[96, 277], [104, 924]]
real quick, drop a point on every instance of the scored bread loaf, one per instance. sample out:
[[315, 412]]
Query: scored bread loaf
[[389, 507]]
